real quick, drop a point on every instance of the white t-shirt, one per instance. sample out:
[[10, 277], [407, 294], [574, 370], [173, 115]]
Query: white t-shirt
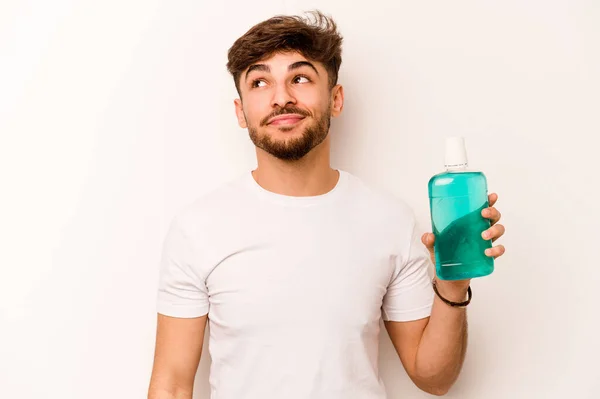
[[295, 287]]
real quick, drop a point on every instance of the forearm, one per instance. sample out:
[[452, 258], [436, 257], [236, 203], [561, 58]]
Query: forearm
[[157, 393], [442, 348], [162, 388]]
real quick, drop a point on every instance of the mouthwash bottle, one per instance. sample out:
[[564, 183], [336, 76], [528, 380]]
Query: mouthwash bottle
[[456, 198]]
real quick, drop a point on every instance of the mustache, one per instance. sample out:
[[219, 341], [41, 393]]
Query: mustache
[[282, 111]]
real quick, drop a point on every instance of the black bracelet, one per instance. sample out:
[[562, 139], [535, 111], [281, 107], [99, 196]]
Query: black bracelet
[[453, 304]]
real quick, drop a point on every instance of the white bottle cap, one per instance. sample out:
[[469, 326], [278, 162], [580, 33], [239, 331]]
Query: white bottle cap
[[456, 153]]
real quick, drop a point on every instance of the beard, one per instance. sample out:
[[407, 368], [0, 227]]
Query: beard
[[295, 148]]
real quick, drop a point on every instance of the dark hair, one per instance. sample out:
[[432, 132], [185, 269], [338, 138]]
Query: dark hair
[[316, 40]]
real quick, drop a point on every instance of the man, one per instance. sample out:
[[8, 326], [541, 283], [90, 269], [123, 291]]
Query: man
[[295, 263]]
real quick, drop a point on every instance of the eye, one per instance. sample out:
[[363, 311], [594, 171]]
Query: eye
[[257, 83], [301, 79]]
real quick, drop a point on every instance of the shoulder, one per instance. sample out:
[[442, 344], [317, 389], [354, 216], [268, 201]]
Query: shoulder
[[380, 201], [216, 204]]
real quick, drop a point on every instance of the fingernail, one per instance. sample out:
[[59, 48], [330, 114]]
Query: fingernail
[[486, 235], [488, 252]]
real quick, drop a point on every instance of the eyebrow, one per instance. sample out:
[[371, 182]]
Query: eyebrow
[[300, 64], [266, 68]]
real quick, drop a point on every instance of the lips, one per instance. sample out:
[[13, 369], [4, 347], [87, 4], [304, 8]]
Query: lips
[[287, 119]]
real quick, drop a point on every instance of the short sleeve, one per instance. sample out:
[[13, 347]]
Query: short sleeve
[[410, 295], [181, 293]]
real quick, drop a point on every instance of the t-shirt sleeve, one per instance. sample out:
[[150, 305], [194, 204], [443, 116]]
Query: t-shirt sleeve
[[181, 293], [410, 295]]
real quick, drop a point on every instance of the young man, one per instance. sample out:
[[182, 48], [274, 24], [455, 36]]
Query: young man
[[295, 263]]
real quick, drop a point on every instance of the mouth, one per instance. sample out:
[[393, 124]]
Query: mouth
[[285, 120]]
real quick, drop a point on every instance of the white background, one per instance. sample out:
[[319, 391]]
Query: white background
[[115, 114]]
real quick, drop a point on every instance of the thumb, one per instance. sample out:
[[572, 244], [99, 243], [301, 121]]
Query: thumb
[[428, 239]]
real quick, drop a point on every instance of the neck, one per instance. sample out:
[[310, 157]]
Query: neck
[[312, 175]]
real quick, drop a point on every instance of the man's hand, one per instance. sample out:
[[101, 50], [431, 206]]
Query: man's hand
[[456, 290]]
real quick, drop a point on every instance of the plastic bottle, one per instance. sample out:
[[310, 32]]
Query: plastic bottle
[[456, 198]]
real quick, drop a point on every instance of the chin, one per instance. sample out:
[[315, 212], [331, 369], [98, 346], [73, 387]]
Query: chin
[[283, 133]]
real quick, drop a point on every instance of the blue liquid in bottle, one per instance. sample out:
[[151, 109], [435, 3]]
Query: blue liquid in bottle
[[456, 199]]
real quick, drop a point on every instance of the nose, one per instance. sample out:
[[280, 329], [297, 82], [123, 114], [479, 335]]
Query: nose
[[282, 96]]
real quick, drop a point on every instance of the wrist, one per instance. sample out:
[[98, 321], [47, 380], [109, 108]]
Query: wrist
[[453, 290]]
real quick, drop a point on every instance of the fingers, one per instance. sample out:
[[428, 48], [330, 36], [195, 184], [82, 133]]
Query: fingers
[[493, 233], [496, 251], [491, 213], [492, 198]]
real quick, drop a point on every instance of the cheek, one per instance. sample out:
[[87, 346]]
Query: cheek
[[254, 114], [322, 107], [251, 109], [321, 101]]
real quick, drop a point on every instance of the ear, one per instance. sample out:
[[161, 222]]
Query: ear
[[239, 112], [337, 100]]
